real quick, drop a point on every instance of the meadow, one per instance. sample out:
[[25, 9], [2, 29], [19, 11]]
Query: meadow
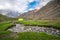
[[6, 35], [28, 36], [4, 25], [41, 23]]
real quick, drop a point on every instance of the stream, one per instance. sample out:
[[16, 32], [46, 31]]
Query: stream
[[22, 28]]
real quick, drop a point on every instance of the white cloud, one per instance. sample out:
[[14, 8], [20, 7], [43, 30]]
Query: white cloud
[[42, 3], [5, 6], [31, 0], [20, 5], [4, 13]]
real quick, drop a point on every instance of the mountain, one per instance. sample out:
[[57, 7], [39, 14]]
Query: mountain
[[49, 11], [5, 18], [29, 15], [9, 13]]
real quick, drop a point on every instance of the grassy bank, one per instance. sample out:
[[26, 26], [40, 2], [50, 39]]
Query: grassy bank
[[36, 36], [4, 25], [5, 35], [44, 23], [28, 36]]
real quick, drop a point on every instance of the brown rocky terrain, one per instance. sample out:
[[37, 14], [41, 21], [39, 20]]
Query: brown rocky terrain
[[50, 11], [29, 15]]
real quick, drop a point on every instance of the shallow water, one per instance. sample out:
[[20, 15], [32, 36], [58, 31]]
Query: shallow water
[[22, 28]]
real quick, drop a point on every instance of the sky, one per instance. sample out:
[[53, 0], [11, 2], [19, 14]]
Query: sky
[[22, 6]]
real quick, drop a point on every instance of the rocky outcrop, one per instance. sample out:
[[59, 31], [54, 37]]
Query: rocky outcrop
[[50, 11]]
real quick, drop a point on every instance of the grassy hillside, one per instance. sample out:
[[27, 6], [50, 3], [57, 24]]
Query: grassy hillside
[[5, 18]]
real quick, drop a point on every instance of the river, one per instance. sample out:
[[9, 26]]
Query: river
[[22, 28]]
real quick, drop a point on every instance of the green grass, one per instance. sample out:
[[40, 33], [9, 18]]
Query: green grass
[[4, 25], [45, 23], [5, 35], [37, 36], [28, 36], [5, 18], [5, 32]]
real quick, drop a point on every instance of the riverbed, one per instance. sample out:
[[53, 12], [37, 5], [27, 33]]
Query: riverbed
[[21, 28]]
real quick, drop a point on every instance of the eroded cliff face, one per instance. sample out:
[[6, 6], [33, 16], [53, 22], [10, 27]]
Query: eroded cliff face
[[50, 11]]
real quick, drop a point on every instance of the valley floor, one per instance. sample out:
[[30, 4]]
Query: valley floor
[[5, 34]]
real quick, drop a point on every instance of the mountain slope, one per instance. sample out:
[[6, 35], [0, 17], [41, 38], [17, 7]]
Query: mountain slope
[[5, 18], [9, 13], [29, 15], [50, 11]]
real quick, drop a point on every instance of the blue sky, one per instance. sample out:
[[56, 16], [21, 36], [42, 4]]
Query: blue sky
[[32, 5], [22, 5]]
